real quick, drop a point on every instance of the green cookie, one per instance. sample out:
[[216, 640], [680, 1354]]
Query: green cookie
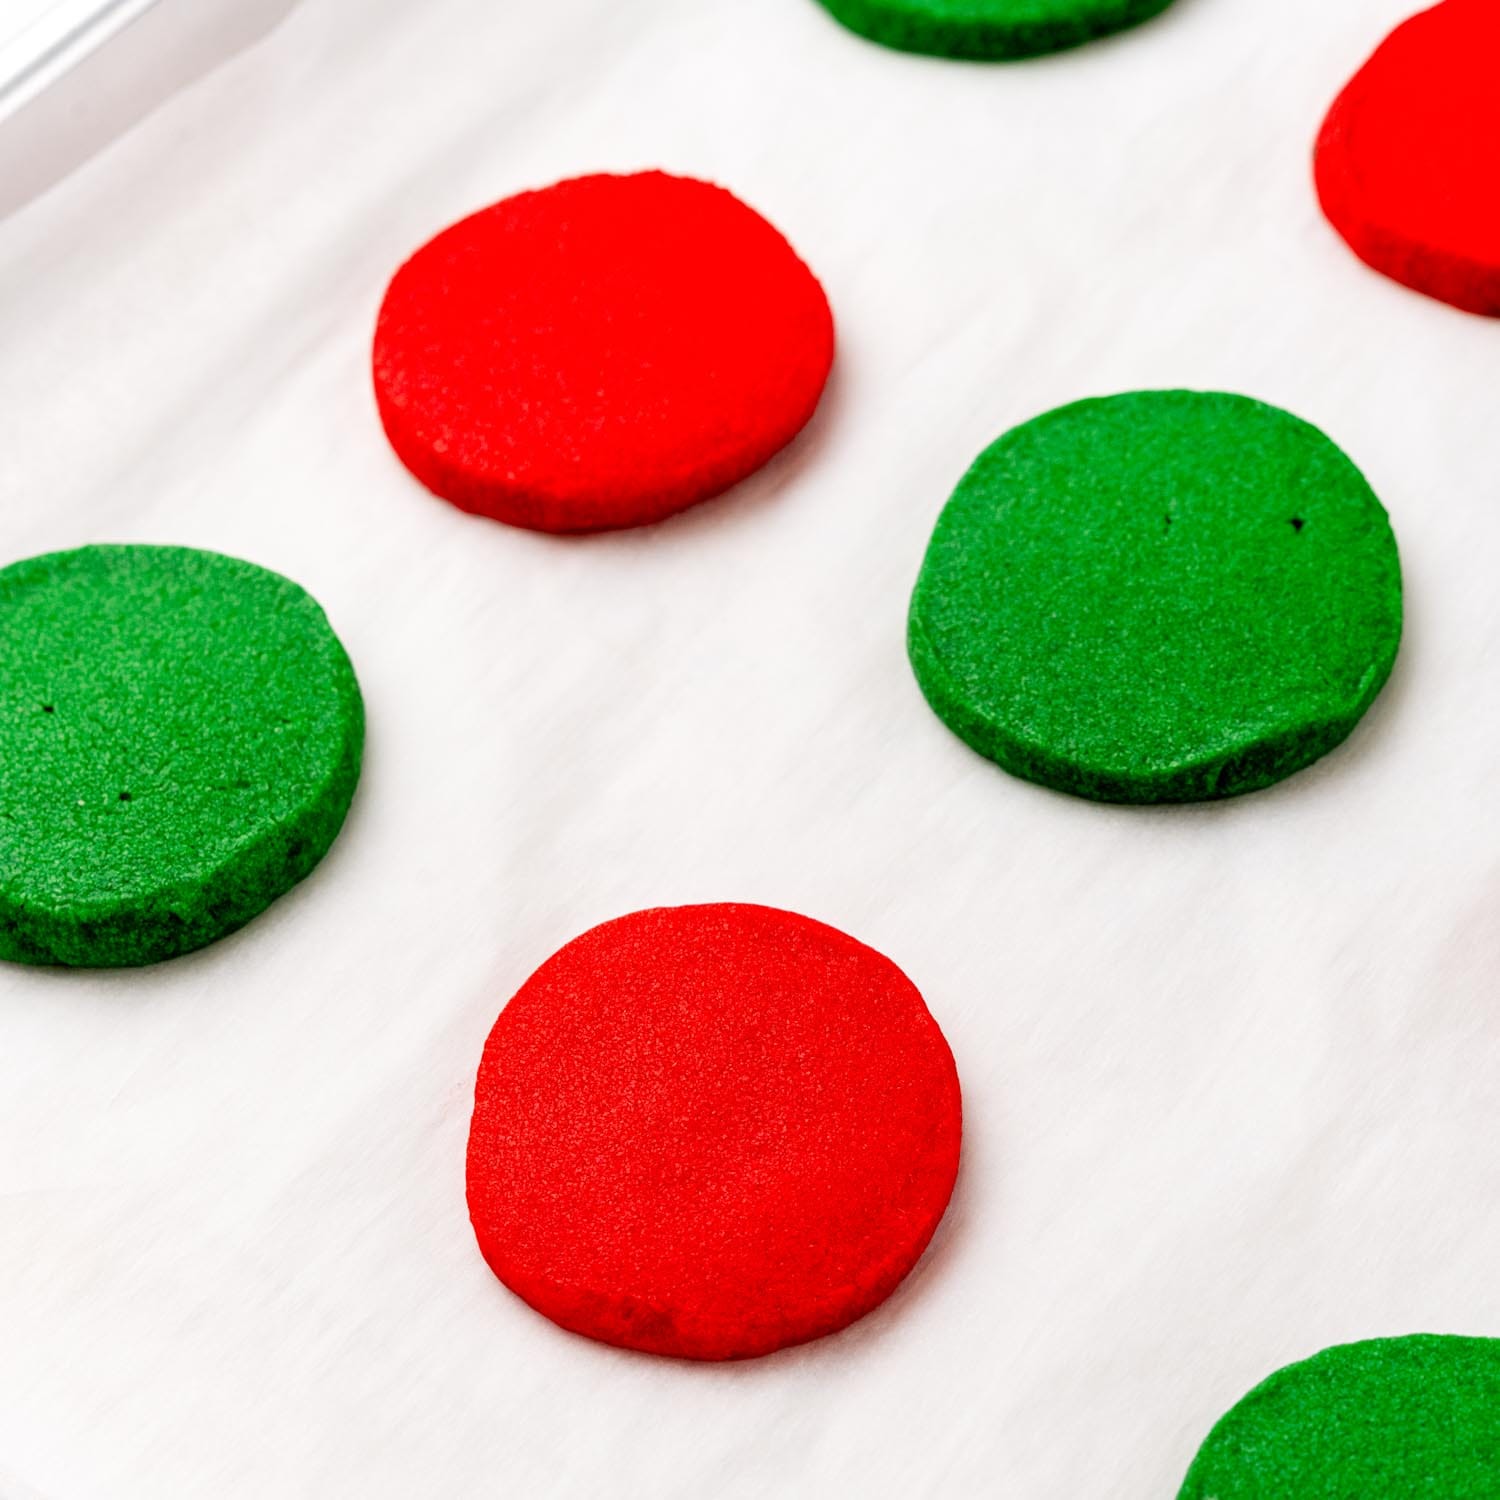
[[1393, 1419], [180, 737], [990, 30], [1159, 597]]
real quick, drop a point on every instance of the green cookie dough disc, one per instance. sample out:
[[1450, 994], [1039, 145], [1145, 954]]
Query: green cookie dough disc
[[180, 736], [1158, 597], [1392, 1419], [990, 30]]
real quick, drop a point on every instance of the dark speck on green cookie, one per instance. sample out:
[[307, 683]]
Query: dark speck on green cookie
[[1393, 1419], [990, 30], [180, 738], [1159, 597]]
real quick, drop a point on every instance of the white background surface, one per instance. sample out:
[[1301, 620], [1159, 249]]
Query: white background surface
[[1232, 1074]]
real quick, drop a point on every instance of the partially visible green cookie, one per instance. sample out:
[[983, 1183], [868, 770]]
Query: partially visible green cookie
[[990, 30], [180, 737], [1158, 597], [1393, 1419]]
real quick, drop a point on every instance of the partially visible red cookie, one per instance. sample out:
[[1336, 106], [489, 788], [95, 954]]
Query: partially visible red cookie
[[1408, 162], [711, 1131], [600, 353]]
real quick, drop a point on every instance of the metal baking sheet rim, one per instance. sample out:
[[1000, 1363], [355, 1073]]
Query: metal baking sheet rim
[[84, 80], [52, 45]]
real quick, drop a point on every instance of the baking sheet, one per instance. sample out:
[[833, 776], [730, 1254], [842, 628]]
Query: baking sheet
[[1230, 1072], [41, 39]]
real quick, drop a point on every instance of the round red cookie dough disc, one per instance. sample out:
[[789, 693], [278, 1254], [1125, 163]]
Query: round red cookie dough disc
[[1408, 161], [600, 353], [711, 1131]]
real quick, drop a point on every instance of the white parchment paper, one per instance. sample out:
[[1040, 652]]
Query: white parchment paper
[[1232, 1073]]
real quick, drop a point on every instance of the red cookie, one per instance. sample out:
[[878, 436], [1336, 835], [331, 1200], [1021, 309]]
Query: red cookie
[[600, 353], [1408, 163], [711, 1131]]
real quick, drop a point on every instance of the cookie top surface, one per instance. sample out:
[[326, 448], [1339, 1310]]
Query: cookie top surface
[[1163, 596], [990, 30], [711, 1131], [1409, 154], [1378, 1420], [600, 353], [180, 735]]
